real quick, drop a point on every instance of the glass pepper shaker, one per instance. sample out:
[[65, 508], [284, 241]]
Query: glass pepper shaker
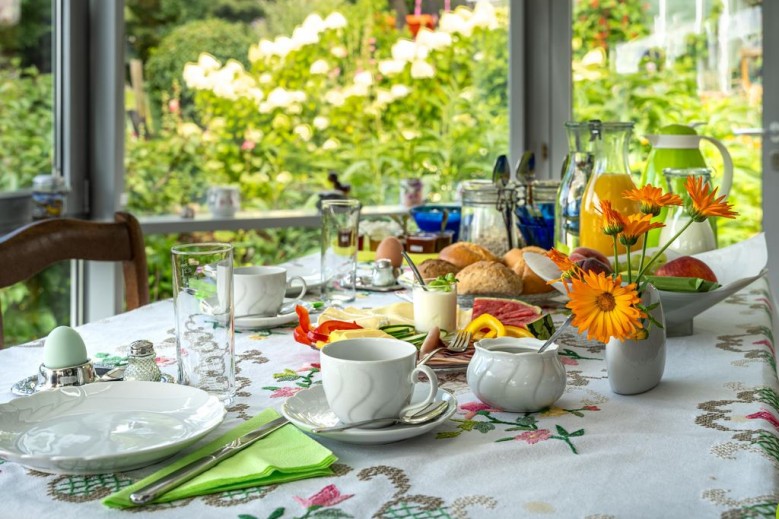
[[141, 364]]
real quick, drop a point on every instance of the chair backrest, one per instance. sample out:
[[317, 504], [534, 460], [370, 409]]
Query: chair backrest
[[30, 249]]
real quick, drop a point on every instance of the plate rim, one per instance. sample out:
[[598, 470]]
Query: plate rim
[[47, 461]]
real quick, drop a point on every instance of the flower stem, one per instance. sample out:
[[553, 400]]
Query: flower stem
[[616, 257], [664, 247], [630, 269]]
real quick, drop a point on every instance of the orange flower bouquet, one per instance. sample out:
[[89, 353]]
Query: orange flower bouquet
[[603, 305]]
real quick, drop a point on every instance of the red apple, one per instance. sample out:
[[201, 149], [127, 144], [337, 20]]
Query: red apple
[[594, 265], [687, 267], [580, 253]]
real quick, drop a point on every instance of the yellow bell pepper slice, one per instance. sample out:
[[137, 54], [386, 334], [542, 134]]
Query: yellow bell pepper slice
[[517, 331], [494, 326]]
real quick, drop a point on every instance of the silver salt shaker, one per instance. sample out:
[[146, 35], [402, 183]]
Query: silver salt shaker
[[383, 273], [141, 364]]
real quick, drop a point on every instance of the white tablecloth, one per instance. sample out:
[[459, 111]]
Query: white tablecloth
[[704, 443]]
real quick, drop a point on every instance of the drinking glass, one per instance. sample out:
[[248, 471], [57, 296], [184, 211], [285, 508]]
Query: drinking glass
[[203, 303], [340, 219]]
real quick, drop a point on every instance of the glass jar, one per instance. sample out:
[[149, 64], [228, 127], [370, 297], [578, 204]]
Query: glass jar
[[141, 364], [699, 236], [609, 179], [483, 219], [536, 216], [48, 196]]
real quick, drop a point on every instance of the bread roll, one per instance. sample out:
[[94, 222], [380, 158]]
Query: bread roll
[[462, 254], [432, 268], [488, 277], [532, 283]]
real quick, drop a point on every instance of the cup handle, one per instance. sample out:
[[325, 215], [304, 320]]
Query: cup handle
[[303, 288], [727, 165], [431, 394]]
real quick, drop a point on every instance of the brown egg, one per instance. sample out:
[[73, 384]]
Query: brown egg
[[391, 249]]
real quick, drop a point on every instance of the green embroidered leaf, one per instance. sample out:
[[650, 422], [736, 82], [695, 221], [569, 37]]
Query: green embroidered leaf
[[277, 513], [246, 516], [526, 421], [521, 428], [468, 425], [484, 427], [447, 434], [510, 438], [330, 513], [562, 432], [271, 388], [580, 432]]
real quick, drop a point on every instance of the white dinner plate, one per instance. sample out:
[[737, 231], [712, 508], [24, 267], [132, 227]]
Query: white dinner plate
[[105, 427], [308, 409]]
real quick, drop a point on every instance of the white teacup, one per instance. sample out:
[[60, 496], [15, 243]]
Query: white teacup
[[372, 378], [259, 291]]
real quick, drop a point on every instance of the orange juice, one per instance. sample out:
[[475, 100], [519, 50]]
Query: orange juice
[[605, 186]]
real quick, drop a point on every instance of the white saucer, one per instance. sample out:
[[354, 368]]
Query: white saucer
[[105, 427], [254, 323], [308, 409], [307, 270]]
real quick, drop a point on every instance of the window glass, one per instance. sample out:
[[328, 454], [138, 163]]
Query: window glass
[[663, 62], [30, 309]]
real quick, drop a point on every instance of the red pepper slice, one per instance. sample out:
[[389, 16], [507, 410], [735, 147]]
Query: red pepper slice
[[329, 326], [300, 336], [305, 319], [315, 337]]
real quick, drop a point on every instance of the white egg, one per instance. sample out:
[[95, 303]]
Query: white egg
[[64, 348]]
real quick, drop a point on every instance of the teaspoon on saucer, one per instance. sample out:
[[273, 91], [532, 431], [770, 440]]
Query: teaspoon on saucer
[[425, 415]]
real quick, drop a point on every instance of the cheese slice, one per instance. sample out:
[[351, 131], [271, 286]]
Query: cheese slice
[[340, 335]]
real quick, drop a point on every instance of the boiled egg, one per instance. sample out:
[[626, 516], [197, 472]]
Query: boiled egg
[[390, 248], [64, 348]]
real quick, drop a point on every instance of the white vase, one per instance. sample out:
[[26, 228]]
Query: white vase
[[637, 366]]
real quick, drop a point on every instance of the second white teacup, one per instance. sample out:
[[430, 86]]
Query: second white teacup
[[372, 378], [259, 291]]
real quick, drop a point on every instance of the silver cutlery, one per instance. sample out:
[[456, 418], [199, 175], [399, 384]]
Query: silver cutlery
[[154, 490], [419, 417]]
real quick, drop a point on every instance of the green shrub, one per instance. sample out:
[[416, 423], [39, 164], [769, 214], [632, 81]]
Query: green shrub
[[184, 43]]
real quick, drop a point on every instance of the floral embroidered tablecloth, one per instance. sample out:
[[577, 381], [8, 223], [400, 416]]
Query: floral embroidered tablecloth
[[704, 443]]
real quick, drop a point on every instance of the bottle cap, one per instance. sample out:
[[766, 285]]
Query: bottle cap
[[141, 348]]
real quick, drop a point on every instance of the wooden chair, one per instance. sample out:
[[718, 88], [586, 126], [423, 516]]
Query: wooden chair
[[30, 249]]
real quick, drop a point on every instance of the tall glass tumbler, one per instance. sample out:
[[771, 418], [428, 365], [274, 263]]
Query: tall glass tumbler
[[340, 219], [203, 302]]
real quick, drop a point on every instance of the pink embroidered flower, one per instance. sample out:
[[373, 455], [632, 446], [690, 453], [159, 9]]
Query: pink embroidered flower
[[534, 436], [591, 408], [472, 408], [768, 417], [328, 496], [247, 146], [165, 361], [285, 392], [308, 367], [568, 361]]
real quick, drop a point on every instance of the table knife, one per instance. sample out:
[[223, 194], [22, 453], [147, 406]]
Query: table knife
[[154, 490]]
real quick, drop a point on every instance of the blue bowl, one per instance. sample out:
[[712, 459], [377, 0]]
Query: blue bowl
[[429, 217]]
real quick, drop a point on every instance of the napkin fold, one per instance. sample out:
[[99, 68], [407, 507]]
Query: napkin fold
[[285, 455]]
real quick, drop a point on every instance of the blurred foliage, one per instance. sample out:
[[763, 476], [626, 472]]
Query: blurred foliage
[[166, 63], [29, 40], [26, 125]]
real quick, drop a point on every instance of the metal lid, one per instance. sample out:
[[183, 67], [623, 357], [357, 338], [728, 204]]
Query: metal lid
[[141, 348], [49, 184]]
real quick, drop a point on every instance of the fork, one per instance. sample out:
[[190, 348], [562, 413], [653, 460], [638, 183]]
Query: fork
[[459, 344]]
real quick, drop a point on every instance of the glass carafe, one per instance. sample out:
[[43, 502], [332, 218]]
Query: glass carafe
[[577, 168], [482, 221], [609, 179], [699, 236]]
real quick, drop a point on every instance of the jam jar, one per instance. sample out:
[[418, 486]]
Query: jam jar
[[483, 219]]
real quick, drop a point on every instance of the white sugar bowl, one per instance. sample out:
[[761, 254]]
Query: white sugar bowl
[[508, 373]]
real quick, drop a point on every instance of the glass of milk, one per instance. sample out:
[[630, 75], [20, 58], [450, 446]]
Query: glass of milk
[[435, 306]]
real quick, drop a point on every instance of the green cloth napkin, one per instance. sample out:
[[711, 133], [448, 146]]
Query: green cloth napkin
[[286, 455], [679, 284]]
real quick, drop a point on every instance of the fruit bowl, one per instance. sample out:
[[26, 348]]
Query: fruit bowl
[[429, 217], [750, 256]]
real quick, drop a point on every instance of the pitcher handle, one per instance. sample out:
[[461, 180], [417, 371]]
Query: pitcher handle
[[727, 162]]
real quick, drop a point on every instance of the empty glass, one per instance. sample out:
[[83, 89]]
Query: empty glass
[[203, 302], [340, 219]]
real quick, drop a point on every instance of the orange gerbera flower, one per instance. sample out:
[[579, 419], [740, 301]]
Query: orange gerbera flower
[[703, 201], [635, 226], [652, 199], [604, 308], [613, 222], [568, 269]]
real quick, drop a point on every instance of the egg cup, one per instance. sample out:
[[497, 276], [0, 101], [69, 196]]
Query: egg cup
[[52, 378]]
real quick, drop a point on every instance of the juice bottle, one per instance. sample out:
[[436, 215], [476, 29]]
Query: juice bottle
[[609, 179]]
